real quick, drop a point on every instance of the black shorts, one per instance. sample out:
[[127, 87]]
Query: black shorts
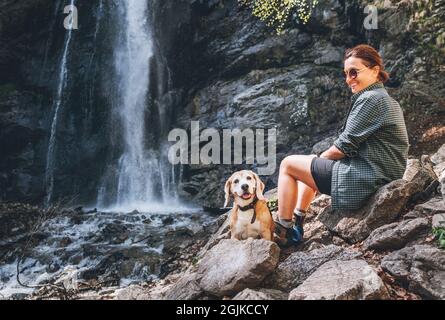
[[321, 170]]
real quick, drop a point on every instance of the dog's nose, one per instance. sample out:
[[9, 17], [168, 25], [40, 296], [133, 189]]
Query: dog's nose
[[245, 187]]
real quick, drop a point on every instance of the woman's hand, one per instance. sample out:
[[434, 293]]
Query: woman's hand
[[333, 153]]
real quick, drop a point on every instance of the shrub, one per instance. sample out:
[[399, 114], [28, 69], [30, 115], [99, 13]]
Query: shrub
[[275, 13]]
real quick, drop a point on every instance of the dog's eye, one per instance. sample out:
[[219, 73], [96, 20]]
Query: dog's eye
[[236, 181], [249, 178]]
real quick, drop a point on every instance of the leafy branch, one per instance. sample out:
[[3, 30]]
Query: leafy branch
[[276, 13]]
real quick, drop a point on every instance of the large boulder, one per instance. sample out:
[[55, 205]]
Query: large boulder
[[342, 280], [397, 235], [233, 265], [300, 265], [383, 208], [421, 268], [226, 269]]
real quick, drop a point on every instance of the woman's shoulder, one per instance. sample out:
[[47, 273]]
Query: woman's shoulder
[[379, 95]]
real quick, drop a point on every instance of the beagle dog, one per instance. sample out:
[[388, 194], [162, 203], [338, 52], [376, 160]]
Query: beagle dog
[[250, 216]]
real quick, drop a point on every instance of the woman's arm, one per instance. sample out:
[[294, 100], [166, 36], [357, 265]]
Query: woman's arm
[[333, 153]]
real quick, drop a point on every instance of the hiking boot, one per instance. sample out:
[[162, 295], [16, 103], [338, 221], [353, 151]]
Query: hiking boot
[[287, 237]]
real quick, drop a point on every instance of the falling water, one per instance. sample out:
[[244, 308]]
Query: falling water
[[49, 178], [132, 63], [143, 178]]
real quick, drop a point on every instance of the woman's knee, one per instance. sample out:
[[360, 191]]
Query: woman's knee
[[290, 163], [294, 163]]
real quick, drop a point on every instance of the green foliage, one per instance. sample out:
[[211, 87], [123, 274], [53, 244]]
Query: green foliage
[[272, 204], [439, 234], [275, 13]]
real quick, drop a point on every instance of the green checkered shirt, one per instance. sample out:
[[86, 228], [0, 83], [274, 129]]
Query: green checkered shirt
[[375, 142]]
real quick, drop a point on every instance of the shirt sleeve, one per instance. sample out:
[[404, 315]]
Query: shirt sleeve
[[365, 119]]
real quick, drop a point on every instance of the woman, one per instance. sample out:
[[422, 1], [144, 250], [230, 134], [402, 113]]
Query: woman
[[371, 150]]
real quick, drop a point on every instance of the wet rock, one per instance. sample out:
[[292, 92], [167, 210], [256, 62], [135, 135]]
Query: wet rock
[[421, 268], [342, 280], [17, 219], [168, 220], [261, 294], [69, 278], [300, 265], [397, 235]]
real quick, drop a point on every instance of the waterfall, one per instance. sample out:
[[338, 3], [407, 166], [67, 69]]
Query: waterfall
[[142, 179], [62, 79]]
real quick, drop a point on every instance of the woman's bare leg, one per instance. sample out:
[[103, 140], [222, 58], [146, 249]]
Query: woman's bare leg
[[293, 169], [305, 196]]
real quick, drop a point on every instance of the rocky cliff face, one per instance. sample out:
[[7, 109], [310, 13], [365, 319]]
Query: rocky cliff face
[[227, 70], [293, 82]]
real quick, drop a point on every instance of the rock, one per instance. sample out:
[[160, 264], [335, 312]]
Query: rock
[[438, 221], [342, 280], [300, 265], [133, 292], [261, 294], [233, 265], [412, 167], [397, 235], [316, 232], [186, 288], [421, 268], [69, 278], [427, 209], [382, 208], [439, 156], [17, 219], [420, 172], [442, 185], [323, 145], [222, 233]]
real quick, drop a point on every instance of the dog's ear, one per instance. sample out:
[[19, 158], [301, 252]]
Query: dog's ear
[[259, 186], [227, 191]]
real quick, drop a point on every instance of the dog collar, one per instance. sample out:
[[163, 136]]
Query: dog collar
[[250, 206]]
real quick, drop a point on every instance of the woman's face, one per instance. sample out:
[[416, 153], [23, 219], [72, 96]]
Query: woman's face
[[365, 76]]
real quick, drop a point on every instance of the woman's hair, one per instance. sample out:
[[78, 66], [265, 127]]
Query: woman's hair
[[370, 57]]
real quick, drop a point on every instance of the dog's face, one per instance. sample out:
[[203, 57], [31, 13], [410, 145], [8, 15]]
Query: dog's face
[[243, 186]]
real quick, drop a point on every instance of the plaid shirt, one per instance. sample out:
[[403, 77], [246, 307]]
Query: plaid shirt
[[375, 142]]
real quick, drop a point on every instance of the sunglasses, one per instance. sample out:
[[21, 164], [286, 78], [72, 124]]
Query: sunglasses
[[352, 73]]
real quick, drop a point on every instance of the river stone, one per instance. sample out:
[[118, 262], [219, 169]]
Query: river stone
[[342, 280], [396, 235], [300, 265], [421, 268]]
